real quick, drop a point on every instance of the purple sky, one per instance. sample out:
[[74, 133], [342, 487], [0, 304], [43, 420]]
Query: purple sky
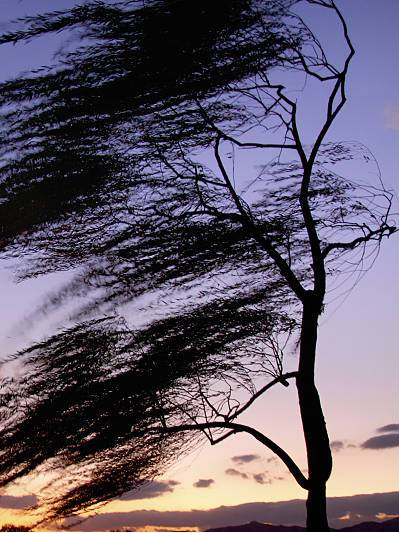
[[358, 361]]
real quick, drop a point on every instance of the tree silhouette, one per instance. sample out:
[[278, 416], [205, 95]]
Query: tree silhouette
[[125, 160]]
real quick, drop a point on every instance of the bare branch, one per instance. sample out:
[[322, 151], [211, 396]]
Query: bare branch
[[379, 233], [241, 428], [249, 223], [237, 142], [281, 379]]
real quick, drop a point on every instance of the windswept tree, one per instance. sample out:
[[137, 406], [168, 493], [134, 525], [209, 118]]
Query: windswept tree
[[163, 158]]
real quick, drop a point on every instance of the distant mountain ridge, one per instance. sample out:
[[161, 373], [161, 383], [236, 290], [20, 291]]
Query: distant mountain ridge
[[258, 526], [386, 525]]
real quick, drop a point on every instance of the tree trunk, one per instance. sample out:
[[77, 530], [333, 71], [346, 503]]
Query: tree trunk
[[316, 507], [313, 423]]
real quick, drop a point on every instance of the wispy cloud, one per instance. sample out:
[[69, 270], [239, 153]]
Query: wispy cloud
[[380, 442], [262, 478], [203, 483], [388, 428], [152, 489], [17, 502], [266, 478], [390, 440], [235, 472], [337, 445], [391, 116], [244, 459]]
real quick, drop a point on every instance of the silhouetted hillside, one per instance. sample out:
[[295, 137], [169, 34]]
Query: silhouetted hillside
[[386, 525], [258, 526]]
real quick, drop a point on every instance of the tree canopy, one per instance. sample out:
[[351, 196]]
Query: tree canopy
[[85, 133]]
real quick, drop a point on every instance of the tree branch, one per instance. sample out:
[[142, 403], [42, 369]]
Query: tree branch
[[241, 428], [280, 379], [235, 141], [307, 163], [249, 223], [380, 232]]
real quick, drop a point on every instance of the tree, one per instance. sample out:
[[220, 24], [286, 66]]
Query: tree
[[122, 160]]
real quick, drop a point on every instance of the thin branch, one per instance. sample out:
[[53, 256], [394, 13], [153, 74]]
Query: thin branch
[[280, 379], [380, 232], [314, 241], [249, 223], [241, 428], [223, 437], [235, 141]]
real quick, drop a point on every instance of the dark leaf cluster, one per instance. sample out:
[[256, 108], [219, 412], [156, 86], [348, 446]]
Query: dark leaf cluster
[[88, 397], [75, 134]]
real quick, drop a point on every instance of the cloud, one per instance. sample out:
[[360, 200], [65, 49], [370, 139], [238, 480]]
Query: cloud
[[391, 116], [152, 489], [262, 478], [265, 478], [354, 508], [203, 483], [337, 445], [17, 502], [390, 440], [348, 516], [244, 459], [234, 472], [388, 428], [384, 516]]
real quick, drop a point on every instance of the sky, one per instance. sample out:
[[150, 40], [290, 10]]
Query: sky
[[358, 361]]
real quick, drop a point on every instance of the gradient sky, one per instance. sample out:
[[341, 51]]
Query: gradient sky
[[358, 363]]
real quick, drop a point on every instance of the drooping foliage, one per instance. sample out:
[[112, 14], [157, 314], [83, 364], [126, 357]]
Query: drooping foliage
[[80, 138], [86, 181], [89, 397]]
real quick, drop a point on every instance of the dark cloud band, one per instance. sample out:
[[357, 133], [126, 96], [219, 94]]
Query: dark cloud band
[[17, 502], [361, 508], [390, 440], [388, 428], [152, 489]]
